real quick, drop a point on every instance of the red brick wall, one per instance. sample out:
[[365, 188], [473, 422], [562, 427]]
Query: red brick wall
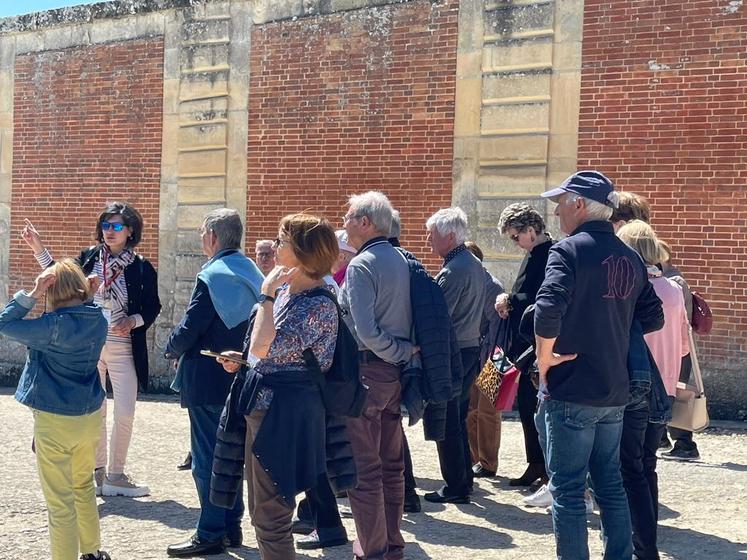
[[346, 103], [663, 112], [87, 131]]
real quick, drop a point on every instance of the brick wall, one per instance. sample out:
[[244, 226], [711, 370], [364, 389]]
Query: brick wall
[[345, 103], [663, 112], [87, 131]]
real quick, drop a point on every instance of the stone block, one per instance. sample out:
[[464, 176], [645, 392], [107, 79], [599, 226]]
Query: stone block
[[187, 267], [468, 106], [466, 147], [192, 216], [516, 18], [6, 147], [6, 186], [213, 161], [530, 51], [469, 64], [80, 35], [516, 85], [515, 116], [208, 133], [513, 147], [505, 270], [522, 181], [564, 146], [57, 38], [566, 101], [566, 57], [471, 33], [569, 20], [31, 41], [201, 195], [6, 92]]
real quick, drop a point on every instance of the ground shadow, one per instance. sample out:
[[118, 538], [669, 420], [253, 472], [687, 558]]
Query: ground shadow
[[694, 545], [170, 513]]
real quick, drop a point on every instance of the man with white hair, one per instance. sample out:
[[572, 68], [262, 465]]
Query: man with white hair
[[462, 280], [594, 287], [375, 299]]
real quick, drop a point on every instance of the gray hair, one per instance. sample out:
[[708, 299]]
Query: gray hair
[[396, 228], [375, 206], [595, 210], [520, 216], [262, 242], [449, 220], [226, 224]]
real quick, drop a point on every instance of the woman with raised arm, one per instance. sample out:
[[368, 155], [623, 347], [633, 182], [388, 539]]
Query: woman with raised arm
[[128, 292]]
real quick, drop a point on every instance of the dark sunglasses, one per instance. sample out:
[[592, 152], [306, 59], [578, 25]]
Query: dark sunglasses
[[514, 238], [106, 226]]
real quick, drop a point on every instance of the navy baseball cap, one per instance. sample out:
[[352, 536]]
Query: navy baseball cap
[[589, 184]]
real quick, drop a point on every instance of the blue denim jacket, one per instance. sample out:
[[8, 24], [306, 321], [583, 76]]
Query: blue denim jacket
[[60, 374], [645, 379]]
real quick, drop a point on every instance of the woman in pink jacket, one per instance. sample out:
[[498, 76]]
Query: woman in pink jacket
[[640, 438]]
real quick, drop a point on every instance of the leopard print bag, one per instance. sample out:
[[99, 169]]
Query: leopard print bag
[[490, 377]]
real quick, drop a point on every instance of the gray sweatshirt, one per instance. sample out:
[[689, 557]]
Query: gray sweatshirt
[[462, 280], [375, 299]]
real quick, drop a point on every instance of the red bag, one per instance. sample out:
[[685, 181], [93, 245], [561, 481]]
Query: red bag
[[504, 402], [702, 320]]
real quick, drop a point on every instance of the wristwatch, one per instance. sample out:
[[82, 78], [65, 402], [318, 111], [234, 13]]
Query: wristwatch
[[264, 297]]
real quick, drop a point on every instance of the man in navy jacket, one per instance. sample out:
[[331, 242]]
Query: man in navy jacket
[[216, 319], [594, 287]]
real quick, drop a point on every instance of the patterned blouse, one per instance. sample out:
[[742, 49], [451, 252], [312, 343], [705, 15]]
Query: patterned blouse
[[300, 322]]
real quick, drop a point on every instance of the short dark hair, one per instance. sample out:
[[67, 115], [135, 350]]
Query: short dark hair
[[631, 206], [131, 218], [474, 249]]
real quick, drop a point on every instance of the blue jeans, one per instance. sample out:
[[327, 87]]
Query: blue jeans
[[585, 440], [214, 522]]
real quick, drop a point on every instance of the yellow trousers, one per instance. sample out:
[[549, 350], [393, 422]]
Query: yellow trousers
[[65, 451]]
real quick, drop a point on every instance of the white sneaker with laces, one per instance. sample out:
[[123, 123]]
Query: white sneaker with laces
[[123, 485], [98, 479], [541, 498]]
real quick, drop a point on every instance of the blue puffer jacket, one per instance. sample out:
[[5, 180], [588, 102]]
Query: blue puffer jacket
[[440, 356]]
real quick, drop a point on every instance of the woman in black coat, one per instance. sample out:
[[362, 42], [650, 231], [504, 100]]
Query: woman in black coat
[[526, 228], [128, 292]]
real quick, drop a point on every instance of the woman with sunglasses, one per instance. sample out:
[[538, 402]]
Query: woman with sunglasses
[[525, 227], [128, 292]]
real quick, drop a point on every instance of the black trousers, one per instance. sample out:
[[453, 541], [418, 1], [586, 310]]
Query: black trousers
[[683, 439], [640, 440], [319, 507], [527, 399], [453, 451], [410, 483]]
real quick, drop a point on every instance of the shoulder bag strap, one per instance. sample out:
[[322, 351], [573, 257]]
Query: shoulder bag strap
[[697, 376]]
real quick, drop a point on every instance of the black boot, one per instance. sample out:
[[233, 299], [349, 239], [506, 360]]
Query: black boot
[[534, 472]]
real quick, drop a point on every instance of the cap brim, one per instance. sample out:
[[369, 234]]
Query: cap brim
[[554, 194]]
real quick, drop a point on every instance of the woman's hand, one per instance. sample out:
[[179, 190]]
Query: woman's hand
[[123, 327], [43, 282], [32, 237], [502, 306], [229, 365], [277, 277], [94, 282]]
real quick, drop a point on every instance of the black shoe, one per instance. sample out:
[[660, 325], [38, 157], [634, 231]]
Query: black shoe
[[412, 503], [100, 555], [312, 541], [234, 538], [195, 546], [679, 454], [530, 476], [665, 444], [439, 497], [186, 464], [479, 471], [301, 526], [341, 495]]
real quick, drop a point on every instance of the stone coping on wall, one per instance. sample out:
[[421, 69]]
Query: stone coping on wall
[[265, 11]]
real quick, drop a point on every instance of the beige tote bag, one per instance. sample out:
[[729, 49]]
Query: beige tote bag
[[689, 411]]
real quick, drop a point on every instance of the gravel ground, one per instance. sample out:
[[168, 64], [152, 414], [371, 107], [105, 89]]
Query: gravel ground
[[703, 512]]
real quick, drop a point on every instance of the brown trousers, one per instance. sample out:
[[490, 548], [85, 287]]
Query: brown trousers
[[483, 430], [376, 437], [271, 516]]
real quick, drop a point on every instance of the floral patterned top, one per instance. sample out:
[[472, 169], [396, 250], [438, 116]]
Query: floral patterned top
[[300, 322]]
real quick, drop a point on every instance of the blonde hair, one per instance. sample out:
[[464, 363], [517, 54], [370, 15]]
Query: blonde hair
[[641, 237], [313, 242], [70, 283]]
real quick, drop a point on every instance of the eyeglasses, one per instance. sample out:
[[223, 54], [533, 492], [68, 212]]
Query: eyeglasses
[[278, 242], [515, 238], [346, 218], [116, 226], [265, 255]]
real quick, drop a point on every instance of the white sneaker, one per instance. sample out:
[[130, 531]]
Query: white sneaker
[[123, 485], [541, 498], [98, 479]]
